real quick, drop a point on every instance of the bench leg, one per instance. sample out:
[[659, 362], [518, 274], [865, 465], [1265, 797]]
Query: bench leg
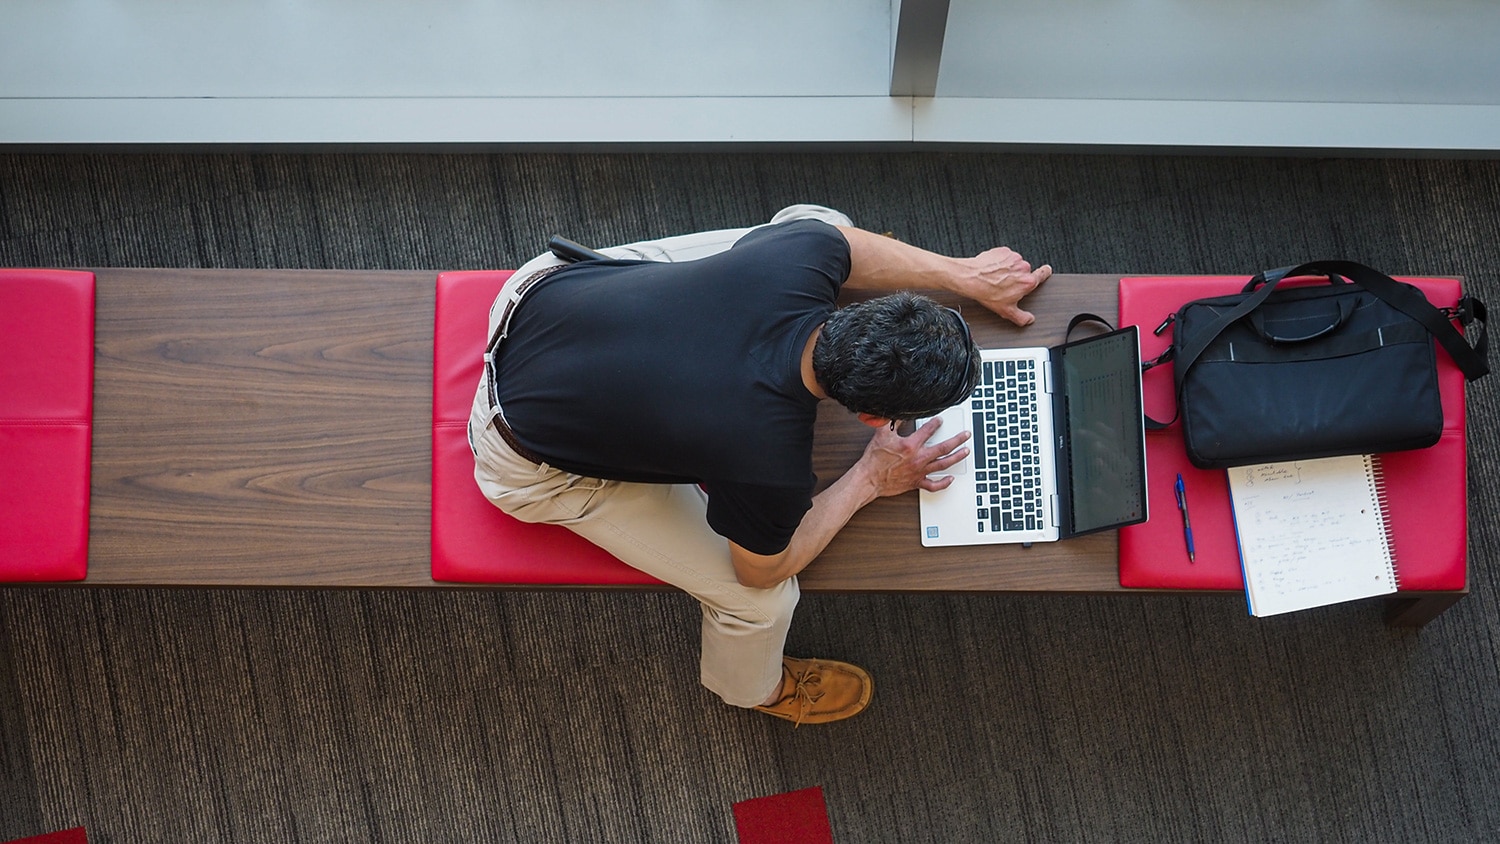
[[1417, 611]]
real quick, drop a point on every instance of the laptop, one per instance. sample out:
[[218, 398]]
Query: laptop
[[1058, 447]]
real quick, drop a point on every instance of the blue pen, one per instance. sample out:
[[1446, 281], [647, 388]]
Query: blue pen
[[1187, 524]]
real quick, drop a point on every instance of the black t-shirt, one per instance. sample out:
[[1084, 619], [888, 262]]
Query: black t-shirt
[[683, 373]]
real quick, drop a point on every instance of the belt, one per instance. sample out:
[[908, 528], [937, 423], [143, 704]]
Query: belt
[[491, 388]]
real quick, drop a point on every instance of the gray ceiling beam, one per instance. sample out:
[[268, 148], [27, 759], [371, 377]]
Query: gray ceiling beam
[[918, 48]]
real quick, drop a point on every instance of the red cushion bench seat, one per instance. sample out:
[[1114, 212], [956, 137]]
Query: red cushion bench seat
[[472, 541], [1425, 487], [46, 422]]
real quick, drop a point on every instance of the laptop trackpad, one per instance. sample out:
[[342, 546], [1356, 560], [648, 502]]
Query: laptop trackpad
[[956, 420]]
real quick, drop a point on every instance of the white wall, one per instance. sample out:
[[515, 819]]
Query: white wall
[[1359, 75], [1333, 51], [443, 48]]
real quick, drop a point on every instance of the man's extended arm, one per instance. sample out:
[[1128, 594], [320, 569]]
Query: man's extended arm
[[892, 464], [996, 278]]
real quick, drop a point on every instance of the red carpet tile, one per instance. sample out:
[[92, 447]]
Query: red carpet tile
[[797, 817], [76, 835]]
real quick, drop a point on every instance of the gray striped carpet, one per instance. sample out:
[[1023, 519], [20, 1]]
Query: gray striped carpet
[[259, 715]]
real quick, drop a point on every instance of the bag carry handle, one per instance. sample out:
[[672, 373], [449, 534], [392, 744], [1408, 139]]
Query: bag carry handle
[[1342, 310], [1471, 360]]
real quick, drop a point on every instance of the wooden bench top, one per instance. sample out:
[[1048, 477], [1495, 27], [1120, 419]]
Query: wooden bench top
[[273, 428]]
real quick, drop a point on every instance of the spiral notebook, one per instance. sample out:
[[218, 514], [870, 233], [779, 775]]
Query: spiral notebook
[[1312, 532]]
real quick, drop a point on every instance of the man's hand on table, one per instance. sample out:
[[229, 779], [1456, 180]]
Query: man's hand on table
[[1000, 278]]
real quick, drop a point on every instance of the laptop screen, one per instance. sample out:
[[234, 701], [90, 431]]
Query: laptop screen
[[1101, 383]]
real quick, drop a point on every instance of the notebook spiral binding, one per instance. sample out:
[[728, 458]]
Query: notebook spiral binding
[[1377, 483]]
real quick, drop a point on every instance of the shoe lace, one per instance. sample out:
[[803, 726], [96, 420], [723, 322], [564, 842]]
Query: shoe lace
[[805, 694]]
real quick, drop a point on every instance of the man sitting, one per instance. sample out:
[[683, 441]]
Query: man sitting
[[661, 405]]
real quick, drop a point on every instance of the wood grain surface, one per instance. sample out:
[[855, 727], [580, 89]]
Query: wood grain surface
[[262, 428]]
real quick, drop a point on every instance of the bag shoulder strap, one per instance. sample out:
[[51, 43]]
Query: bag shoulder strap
[[1471, 360], [1189, 354]]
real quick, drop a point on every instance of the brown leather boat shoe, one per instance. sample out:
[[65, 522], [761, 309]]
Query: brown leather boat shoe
[[816, 691]]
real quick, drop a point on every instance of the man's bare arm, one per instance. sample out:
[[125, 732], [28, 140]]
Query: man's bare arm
[[891, 464], [996, 278]]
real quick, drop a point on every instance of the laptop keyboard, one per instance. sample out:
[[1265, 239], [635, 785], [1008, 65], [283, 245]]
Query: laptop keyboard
[[1007, 464]]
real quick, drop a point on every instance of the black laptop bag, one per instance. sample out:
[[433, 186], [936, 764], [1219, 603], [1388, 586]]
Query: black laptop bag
[[1346, 367]]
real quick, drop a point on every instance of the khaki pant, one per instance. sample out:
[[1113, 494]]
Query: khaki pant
[[661, 529]]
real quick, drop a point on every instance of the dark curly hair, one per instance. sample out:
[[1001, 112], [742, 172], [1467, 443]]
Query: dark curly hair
[[899, 357]]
